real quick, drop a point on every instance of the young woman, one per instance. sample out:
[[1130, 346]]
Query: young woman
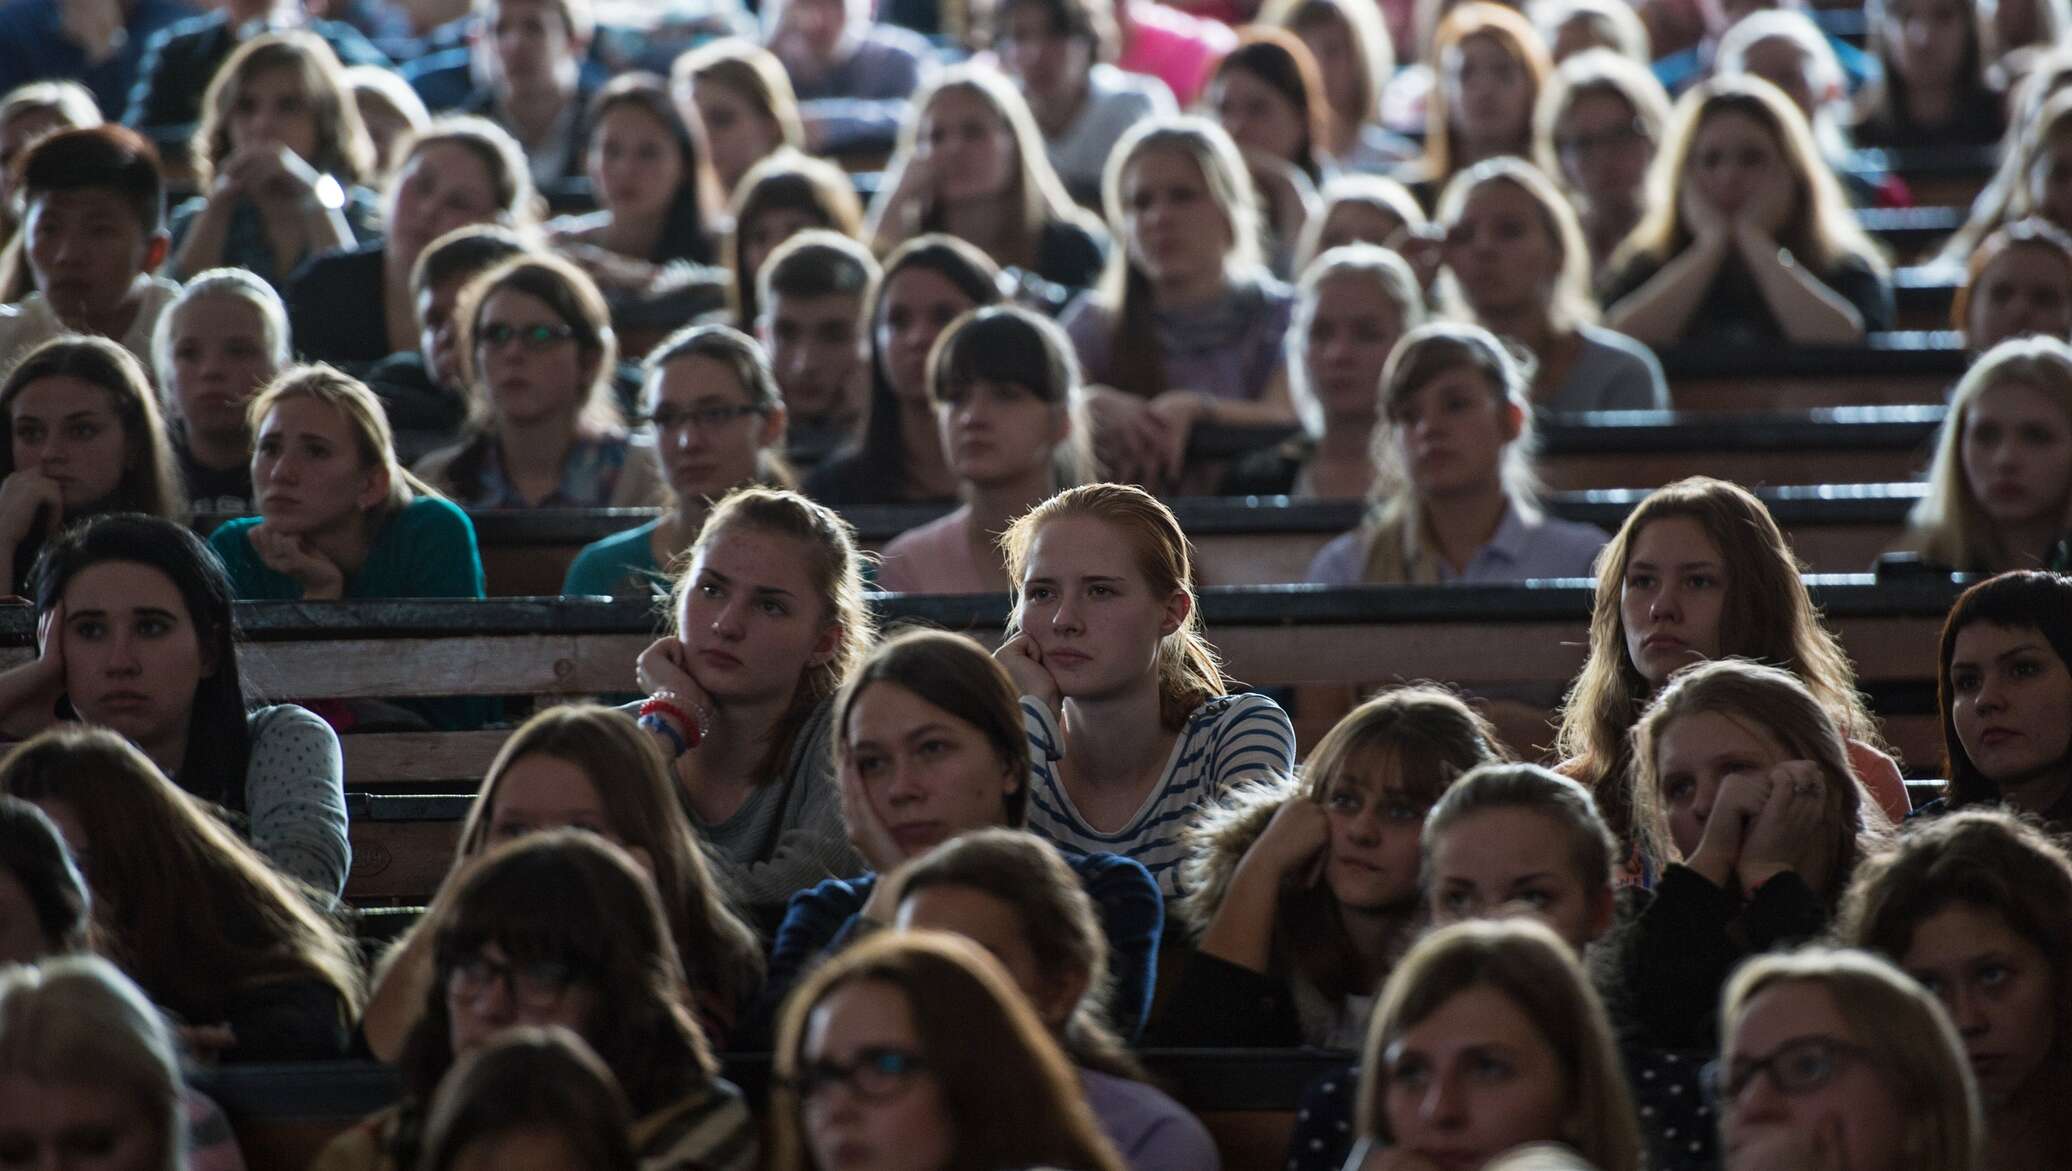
[[915, 1050], [2035, 176], [1516, 264], [930, 747], [926, 283], [83, 437], [196, 917], [1303, 895], [718, 421], [1491, 67], [338, 518], [2000, 489], [1742, 782], [1186, 327], [779, 197], [1837, 1059], [1430, 1090], [769, 622], [1570, 28], [972, 165], [2018, 282], [1017, 897], [1518, 836], [1699, 571], [216, 346], [1363, 209], [461, 170], [1267, 96], [44, 908], [1455, 496], [563, 928], [279, 156], [1129, 728], [1002, 382], [739, 94], [532, 1096], [657, 198], [1355, 57], [1932, 88], [2004, 690], [136, 636], [391, 111], [592, 769], [1352, 306], [1750, 238], [1968, 905], [1785, 48], [87, 1063], [1596, 129], [537, 350]]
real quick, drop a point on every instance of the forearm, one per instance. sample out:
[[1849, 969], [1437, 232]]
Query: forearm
[[326, 227], [1658, 312], [1241, 932], [202, 249], [1810, 313], [24, 705], [400, 991]]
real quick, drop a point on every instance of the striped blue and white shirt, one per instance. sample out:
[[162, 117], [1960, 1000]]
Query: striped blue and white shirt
[[1229, 739]]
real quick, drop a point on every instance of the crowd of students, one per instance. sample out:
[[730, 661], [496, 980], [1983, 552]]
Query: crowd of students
[[285, 274]]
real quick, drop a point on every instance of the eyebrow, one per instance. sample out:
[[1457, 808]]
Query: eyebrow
[[927, 729], [2003, 656], [1632, 565], [1535, 876]]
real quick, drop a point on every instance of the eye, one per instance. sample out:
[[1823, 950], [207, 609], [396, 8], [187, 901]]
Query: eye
[[711, 590], [1640, 581], [1410, 1073], [89, 628], [1036, 593], [935, 747], [1701, 581], [1994, 975], [868, 764], [154, 626], [83, 430], [1489, 1067], [1344, 801], [1460, 902], [1677, 790], [773, 607], [1964, 681]]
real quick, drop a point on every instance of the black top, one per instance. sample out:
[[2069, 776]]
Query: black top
[[337, 307], [1269, 471], [1979, 121], [223, 490], [1069, 254], [1734, 310], [482, 102], [424, 415]]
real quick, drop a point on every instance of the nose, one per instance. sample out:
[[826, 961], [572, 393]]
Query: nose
[[1760, 1101], [1364, 828], [1065, 618], [727, 622], [1443, 1106], [1668, 604], [1707, 791], [905, 788], [122, 654], [1967, 1011]]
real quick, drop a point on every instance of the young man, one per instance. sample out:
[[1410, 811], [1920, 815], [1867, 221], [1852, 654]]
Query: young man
[[852, 77], [539, 93], [815, 292], [93, 231], [1055, 50]]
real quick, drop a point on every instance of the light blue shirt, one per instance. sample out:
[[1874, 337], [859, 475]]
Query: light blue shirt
[[1520, 549]]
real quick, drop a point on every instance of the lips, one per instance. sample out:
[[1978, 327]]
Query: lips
[[917, 836], [123, 701], [1066, 659], [1664, 642], [1995, 737], [720, 659]]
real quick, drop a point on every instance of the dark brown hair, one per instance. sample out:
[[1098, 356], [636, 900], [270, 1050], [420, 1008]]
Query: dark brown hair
[[957, 675], [150, 480], [2023, 600]]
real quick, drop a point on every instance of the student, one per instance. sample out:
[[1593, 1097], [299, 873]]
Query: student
[[1700, 571], [93, 233], [44, 908], [459, 171], [2000, 488], [1002, 382], [1491, 67], [538, 91], [814, 294], [196, 917], [563, 928], [1510, 837], [537, 351], [1835, 1058], [768, 624], [1267, 96], [1785, 48], [389, 108], [737, 92], [592, 769], [1596, 129], [1570, 28], [656, 195], [2035, 158], [1303, 895], [83, 438], [1455, 495], [1968, 905], [532, 1094], [2018, 283], [87, 1062], [1186, 325], [718, 425], [1058, 53], [779, 197], [27, 114], [971, 165], [1366, 209], [1463, 993], [1741, 781], [216, 346], [1130, 730], [928, 282], [1752, 240], [1931, 88], [1017, 897], [1351, 308], [1355, 57], [929, 747], [279, 157], [1516, 264], [338, 517], [852, 75], [940, 1062], [2004, 690]]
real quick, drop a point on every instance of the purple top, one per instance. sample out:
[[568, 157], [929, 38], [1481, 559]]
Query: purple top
[[1153, 1132], [1521, 549], [1230, 349]]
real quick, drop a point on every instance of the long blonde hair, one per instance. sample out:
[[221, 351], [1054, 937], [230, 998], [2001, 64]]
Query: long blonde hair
[[1947, 525], [363, 416], [1569, 303], [1386, 271], [343, 150]]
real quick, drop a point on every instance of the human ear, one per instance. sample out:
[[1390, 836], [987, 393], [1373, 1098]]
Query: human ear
[[376, 488], [1178, 606], [155, 250], [829, 644]]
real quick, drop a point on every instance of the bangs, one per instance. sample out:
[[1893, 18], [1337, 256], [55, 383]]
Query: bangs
[[1003, 348], [534, 908]]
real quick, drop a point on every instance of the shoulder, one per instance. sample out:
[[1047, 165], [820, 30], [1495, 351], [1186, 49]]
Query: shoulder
[[1342, 559], [1611, 345], [1246, 713], [435, 516], [231, 535], [286, 721], [333, 272]]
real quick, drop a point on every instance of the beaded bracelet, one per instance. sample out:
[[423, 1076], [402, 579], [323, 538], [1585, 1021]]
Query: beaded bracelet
[[686, 711]]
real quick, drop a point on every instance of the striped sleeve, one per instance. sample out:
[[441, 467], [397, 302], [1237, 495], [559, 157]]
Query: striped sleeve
[[1253, 738], [710, 1132]]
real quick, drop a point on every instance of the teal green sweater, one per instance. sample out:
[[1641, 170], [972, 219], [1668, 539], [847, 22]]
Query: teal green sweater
[[425, 551], [620, 566]]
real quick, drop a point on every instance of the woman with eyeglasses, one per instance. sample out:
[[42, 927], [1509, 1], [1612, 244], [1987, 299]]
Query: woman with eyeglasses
[[1835, 1059], [543, 430], [564, 928], [868, 1081], [718, 421]]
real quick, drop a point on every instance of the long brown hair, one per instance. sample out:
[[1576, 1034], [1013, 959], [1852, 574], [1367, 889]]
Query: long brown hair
[[1011, 1091], [191, 912], [953, 673], [1518, 39], [343, 151], [150, 480]]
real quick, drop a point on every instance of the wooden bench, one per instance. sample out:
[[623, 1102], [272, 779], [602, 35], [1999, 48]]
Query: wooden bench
[[1899, 368]]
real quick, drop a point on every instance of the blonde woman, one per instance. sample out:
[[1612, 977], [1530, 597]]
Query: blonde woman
[[217, 345], [2000, 488], [1595, 132], [738, 92]]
